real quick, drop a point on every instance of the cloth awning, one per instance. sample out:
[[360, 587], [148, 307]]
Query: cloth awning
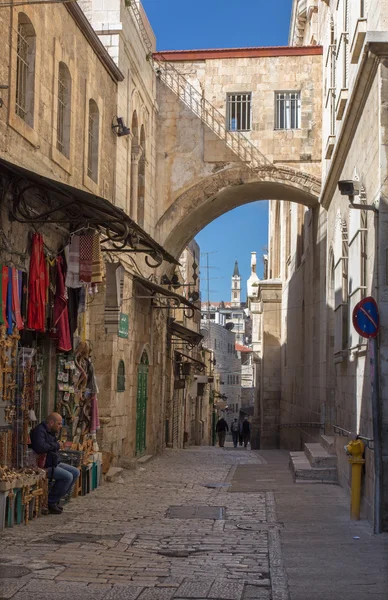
[[185, 334], [56, 202], [180, 300]]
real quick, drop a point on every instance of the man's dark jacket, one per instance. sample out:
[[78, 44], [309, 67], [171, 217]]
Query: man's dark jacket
[[246, 427], [222, 426], [43, 441]]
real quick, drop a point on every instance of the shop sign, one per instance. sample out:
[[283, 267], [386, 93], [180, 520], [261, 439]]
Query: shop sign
[[123, 325]]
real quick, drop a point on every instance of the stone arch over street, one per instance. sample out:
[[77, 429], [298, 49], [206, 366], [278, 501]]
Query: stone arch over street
[[226, 189]]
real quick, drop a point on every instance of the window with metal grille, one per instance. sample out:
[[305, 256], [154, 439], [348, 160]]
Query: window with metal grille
[[64, 110], [287, 110], [93, 142], [25, 70], [239, 111], [121, 377]]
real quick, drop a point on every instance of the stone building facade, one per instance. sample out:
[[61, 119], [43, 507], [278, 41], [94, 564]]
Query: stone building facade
[[51, 63], [329, 258]]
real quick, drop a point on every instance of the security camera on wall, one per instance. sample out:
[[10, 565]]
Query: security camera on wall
[[348, 187]]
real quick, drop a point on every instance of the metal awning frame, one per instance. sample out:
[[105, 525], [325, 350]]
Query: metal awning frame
[[76, 208], [199, 364], [174, 301]]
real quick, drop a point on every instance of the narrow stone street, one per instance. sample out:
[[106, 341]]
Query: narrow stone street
[[194, 524], [129, 541]]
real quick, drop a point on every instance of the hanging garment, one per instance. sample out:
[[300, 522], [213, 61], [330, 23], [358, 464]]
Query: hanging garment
[[61, 330], [73, 263], [94, 416], [37, 286], [91, 383], [15, 300], [52, 284], [96, 260], [85, 258], [23, 294], [3, 295], [73, 305], [9, 302]]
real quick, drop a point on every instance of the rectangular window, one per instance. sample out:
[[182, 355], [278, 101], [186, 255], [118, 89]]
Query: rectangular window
[[238, 111], [287, 109]]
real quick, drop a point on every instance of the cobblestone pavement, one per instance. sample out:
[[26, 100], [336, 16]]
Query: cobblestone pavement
[[124, 541]]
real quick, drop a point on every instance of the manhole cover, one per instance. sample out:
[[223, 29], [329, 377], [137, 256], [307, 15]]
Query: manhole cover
[[196, 512], [216, 485], [81, 538], [11, 572]]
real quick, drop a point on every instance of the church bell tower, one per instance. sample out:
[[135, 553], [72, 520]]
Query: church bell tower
[[236, 286]]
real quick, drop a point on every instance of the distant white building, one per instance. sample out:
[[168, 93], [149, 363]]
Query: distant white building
[[222, 341]]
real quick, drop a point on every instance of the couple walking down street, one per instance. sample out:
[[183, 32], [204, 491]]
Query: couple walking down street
[[241, 432]]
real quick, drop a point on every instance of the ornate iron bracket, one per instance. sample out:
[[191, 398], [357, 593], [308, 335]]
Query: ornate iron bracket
[[36, 200]]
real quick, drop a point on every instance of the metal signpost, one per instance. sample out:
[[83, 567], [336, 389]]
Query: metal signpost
[[367, 323]]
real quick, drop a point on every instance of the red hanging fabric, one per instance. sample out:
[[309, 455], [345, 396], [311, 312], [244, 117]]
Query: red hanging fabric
[[61, 315], [37, 286]]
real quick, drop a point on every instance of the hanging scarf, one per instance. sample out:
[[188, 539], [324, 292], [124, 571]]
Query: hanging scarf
[[73, 263], [94, 416], [23, 289], [37, 286], [9, 302], [16, 301], [85, 258], [61, 317], [96, 260], [3, 294]]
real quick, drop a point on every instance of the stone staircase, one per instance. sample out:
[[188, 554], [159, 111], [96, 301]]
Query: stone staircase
[[317, 464], [210, 116]]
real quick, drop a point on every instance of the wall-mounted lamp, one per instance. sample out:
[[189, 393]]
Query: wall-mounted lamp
[[122, 129]]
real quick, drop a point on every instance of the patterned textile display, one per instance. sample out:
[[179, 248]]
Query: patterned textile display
[[73, 263], [37, 286], [96, 260], [85, 258]]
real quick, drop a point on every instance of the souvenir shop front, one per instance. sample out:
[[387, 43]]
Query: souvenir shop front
[[52, 240]]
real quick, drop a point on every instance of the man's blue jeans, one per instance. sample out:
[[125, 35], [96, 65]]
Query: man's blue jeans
[[64, 476]]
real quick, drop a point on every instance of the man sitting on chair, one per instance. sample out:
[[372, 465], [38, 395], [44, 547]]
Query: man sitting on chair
[[45, 444]]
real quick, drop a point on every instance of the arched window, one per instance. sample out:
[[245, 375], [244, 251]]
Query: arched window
[[93, 141], [121, 377], [141, 178], [64, 110], [25, 70]]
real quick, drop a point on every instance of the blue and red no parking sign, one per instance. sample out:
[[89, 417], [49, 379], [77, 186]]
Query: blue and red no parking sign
[[366, 318]]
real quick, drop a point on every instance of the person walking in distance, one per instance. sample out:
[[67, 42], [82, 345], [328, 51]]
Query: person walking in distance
[[246, 428], [221, 429], [240, 433], [234, 428]]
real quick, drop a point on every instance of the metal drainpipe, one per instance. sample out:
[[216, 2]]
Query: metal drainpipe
[[376, 407]]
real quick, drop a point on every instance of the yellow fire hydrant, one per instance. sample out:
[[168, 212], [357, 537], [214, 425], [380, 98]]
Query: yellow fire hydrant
[[355, 450]]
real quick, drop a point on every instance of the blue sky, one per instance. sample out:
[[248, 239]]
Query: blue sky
[[188, 24]]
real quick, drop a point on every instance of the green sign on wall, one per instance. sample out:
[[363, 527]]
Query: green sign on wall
[[123, 325]]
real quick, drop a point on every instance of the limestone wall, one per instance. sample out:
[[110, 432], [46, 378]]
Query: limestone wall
[[58, 38]]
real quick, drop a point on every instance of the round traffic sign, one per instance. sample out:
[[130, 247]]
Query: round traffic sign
[[366, 318]]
